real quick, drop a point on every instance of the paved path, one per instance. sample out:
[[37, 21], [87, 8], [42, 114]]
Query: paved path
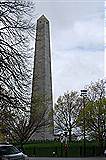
[[52, 158]]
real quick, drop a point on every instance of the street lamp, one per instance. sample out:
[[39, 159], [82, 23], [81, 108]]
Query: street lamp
[[84, 94]]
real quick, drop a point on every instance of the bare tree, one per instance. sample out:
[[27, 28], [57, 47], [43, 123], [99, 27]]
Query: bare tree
[[16, 28], [66, 111], [21, 128]]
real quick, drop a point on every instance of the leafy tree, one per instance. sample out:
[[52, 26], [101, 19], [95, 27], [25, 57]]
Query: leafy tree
[[95, 112], [66, 111]]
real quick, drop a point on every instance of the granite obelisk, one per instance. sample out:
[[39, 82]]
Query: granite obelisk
[[42, 80]]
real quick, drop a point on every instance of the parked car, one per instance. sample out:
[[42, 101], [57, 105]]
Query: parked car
[[10, 152], [105, 152]]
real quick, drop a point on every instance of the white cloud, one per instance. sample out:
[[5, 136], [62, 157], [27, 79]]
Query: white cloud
[[75, 70], [88, 34], [78, 55]]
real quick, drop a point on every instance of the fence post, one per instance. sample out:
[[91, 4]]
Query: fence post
[[81, 151], [93, 150], [34, 151], [56, 151]]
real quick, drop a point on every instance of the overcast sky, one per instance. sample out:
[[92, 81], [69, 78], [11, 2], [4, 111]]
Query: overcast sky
[[77, 42]]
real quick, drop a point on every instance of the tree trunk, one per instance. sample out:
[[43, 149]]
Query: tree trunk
[[70, 136]]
